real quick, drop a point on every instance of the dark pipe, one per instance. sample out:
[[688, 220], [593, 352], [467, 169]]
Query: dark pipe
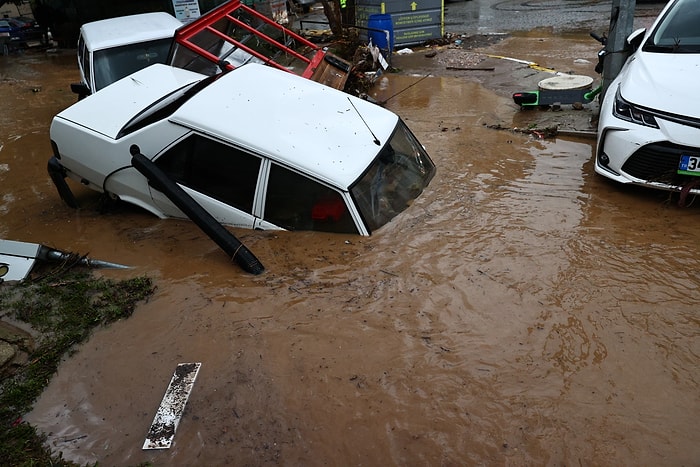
[[205, 221]]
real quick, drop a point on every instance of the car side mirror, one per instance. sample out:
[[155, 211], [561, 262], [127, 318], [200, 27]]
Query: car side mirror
[[80, 89], [634, 40]]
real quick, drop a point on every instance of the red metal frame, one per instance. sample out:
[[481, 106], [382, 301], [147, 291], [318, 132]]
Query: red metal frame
[[184, 35]]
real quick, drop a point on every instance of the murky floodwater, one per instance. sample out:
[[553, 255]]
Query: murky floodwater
[[521, 312]]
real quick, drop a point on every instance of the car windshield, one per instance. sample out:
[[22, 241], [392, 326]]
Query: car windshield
[[396, 177], [117, 62], [678, 31]]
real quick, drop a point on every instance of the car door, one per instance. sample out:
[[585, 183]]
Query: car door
[[295, 201], [223, 179]]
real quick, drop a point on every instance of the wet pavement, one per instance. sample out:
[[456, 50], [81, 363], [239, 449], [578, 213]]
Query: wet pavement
[[556, 16], [523, 311]]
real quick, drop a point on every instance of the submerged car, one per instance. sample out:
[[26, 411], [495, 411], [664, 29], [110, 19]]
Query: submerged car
[[256, 147], [113, 48], [649, 126]]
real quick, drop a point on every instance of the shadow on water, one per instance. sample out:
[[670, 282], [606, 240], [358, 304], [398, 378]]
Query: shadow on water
[[522, 311]]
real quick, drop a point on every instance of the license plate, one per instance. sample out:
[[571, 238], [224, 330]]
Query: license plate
[[690, 165]]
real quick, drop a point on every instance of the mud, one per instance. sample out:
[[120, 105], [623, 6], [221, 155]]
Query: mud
[[522, 312]]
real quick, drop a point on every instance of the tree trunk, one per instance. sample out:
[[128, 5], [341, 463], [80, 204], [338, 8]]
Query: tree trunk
[[331, 9]]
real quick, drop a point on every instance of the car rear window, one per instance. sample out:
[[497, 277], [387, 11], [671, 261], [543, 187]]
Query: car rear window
[[396, 177]]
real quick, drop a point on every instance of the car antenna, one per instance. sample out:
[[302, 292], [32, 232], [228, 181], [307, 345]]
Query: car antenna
[[376, 140], [407, 87]]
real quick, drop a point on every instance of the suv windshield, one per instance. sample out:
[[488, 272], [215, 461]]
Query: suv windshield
[[396, 177], [678, 31], [117, 62]]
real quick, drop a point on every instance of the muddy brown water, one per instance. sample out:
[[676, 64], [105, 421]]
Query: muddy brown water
[[522, 312]]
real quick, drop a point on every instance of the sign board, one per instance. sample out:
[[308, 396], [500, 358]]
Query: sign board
[[186, 10], [414, 21]]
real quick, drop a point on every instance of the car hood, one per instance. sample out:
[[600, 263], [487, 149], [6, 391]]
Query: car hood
[[662, 81]]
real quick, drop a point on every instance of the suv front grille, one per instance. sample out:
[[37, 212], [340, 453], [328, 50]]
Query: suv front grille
[[658, 162]]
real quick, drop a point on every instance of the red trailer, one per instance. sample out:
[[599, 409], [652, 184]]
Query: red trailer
[[234, 34]]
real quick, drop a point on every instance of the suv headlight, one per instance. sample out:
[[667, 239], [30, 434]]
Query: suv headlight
[[629, 112]]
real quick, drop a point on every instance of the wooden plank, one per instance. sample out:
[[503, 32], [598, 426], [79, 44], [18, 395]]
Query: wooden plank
[[167, 418], [471, 68], [332, 71]]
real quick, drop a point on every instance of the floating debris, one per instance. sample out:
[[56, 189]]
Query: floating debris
[[18, 258], [540, 133], [162, 431]]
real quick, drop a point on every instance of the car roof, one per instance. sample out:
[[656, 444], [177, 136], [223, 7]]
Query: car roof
[[131, 29], [293, 120]]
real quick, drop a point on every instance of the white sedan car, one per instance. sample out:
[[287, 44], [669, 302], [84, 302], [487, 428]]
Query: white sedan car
[[256, 147], [649, 127]]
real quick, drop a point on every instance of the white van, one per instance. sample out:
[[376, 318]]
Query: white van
[[111, 49]]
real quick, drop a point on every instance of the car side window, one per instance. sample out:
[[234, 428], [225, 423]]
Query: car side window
[[296, 202], [217, 170]]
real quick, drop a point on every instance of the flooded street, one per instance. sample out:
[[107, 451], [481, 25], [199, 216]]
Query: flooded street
[[523, 311]]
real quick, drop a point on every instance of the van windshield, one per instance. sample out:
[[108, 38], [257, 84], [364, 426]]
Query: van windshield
[[115, 63], [400, 172]]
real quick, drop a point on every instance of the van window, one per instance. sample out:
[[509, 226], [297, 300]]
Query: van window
[[117, 62], [217, 170], [84, 60], [295, 202]]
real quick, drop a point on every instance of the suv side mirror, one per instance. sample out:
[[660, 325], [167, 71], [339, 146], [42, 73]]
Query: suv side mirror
[[80, 89]]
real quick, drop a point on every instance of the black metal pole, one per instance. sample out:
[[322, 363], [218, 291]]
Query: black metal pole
[[205, 221], [621, 24]]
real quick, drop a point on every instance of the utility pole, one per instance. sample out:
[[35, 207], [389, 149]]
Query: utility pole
[[621, 24]]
